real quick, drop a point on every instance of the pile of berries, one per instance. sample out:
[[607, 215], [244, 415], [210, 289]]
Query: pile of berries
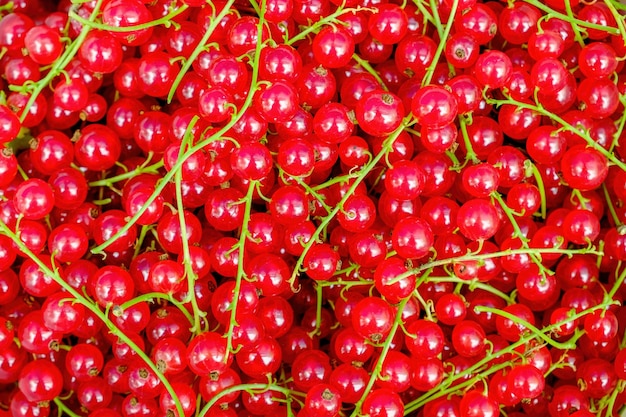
[[312, 208]]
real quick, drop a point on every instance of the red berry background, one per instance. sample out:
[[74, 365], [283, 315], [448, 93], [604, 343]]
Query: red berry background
[[312, 208]]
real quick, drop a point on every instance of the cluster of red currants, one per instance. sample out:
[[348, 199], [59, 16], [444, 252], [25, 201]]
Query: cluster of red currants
[[312, 208]]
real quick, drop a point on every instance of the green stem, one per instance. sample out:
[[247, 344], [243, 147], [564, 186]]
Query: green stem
[[383, 354], [309, 190], [240, 271], [618, 284], [190, 275], [252, 388], [91, 306], [108, 182], [484, 366], [577, 36], [219, 135], [339, 179], [518, 232], [368, 67], [556, 118], [609, 204], [619, 19], [542, 189], [166, 21], [472, 256], [436, 21], [324, 223], [534, 330], [61, 63], [582, 23], [442, 35], [142, 236], [314, 28], [63, 409], [475, 285], [201, 45], [318, 310], [470, 155]]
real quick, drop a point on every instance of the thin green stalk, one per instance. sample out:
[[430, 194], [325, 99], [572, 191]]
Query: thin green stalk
[[324, 223], [91, 306], [542, 189], [484, 366], [472, 256], [553, 13], [383, 354], [436, 20], [166, 21], [219, 135], [201, 45], [108, 182], [151, 296], [443, 36], [474, 285], [609, 204], [244, 233], [368, 67], [534, 330], [318, 310], [518, 232], [559, 120], [318, 25], [470, 155], [252, 388], [577, 36], [60, 64], [63, 409], [190, 275]]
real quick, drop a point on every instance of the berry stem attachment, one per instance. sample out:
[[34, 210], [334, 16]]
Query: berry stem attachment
[[243, 236], [383, 354], [215, 21], [442, 35], [165, 21], [190, 275], [60, 64], [362, 174], [93, 307]]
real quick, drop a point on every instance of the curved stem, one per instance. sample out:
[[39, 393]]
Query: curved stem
[[383, 354], [314, 28], [518, 232], [240, 271], [189, 273], [484, 367], [553, 13], [108, 182], [555, 117], [91, 306], [253, 388], [166, 20], [63, 409], [324, 223], [534, 330], [201, 45], [442, 35], [60, 64], [368, 67]]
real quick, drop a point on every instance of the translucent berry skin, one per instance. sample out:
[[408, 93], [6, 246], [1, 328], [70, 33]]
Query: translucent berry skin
[[493, 69], [333, 47], [9, 125], [584, 168], [379, 113], [434, 106], [34, 199]]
